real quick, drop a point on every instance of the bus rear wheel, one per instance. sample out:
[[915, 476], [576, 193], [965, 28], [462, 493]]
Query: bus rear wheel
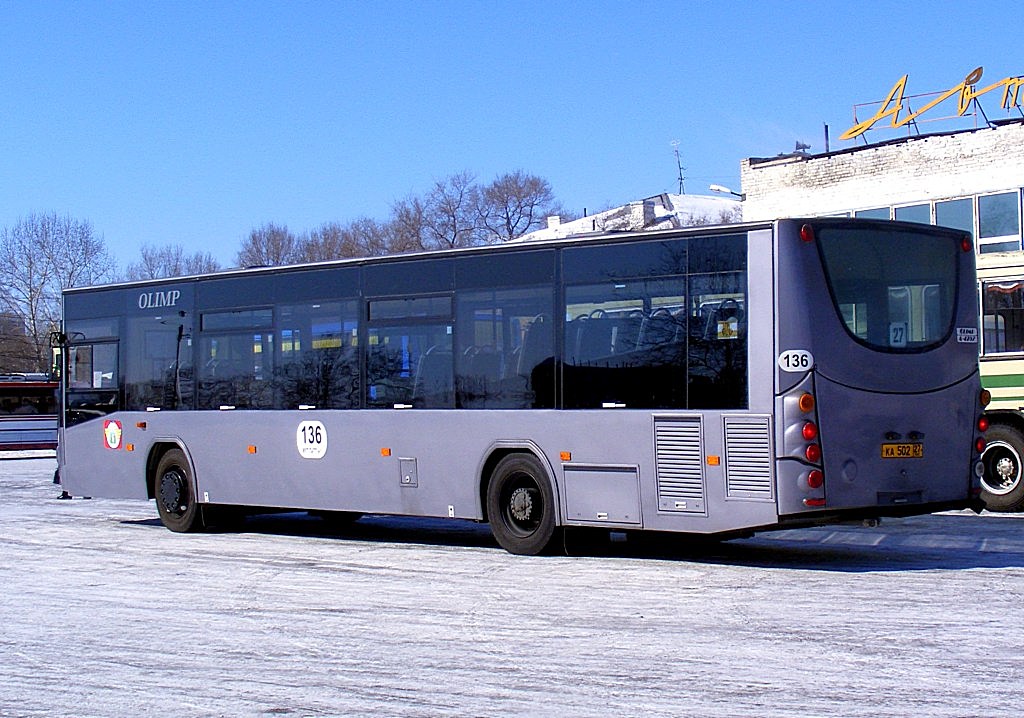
[[1002, 487], [521, 505], [175, 493]]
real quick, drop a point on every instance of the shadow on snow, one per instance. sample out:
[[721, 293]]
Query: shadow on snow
[[945, 542]]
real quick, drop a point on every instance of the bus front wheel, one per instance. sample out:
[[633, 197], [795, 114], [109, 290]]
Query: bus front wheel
[[1002, 487], [175, 493], [521, 505]]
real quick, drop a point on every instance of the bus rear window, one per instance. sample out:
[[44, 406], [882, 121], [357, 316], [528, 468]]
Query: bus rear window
[[893, 288]]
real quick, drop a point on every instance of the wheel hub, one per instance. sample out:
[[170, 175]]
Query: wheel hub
[[1006, 471], [172, 492], [521, 504]]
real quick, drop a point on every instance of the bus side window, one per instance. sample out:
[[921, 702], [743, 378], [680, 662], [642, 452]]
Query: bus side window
[[92, 381], [409, 357], [319, 360], [1003, 317], [717, 353], [504, 358], [93, 366]]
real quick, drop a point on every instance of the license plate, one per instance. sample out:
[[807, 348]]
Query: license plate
[[902, 451]]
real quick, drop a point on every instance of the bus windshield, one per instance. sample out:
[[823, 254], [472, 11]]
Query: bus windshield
[[893, 287]]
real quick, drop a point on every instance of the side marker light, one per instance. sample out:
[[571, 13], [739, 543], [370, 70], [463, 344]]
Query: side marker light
[[806, 403]]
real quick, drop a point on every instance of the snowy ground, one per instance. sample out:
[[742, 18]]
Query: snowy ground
[[105, 613]]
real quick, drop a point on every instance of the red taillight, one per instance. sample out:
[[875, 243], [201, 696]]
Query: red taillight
[[965, 243], [815, 479], [807, 233], [979, 445], [982, 424], [814, 503], [813, 453], [810, 431]]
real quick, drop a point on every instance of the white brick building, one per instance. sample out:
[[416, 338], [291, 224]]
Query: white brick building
[[970, 179]]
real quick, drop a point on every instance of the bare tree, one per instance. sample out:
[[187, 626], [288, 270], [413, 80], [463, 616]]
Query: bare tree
[[326, 242], [269, 245], [408, 226], [364, 237], [371, 237], [514, 204], [724, 216], [730, 216], [40, 256], [170, 261], [16, 351], [450, 212]]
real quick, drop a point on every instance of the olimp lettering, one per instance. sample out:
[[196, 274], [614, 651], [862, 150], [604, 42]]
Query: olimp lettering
[[153, 300]]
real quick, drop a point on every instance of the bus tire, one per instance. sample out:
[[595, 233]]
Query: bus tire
[[1002, 485], [174, 490], [521, 505]]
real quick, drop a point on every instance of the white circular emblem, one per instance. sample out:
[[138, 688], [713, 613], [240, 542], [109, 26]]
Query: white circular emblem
[[311, 439], [796, 360]]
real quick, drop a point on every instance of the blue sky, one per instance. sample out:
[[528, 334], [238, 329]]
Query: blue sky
[[192, 122]]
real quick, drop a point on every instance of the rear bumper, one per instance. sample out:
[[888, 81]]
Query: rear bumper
[[821, 518]]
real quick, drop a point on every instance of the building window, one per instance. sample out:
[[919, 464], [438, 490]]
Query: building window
[[956, 213], [999, 222], [920, 213], [876, 213]]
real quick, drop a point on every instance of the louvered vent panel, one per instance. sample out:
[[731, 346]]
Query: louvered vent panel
[[748, 457], [680, 468]]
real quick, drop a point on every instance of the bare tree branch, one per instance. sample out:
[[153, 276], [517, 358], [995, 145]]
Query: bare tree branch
[[269, 245], [170, 261], [40, 256], [515, 204]]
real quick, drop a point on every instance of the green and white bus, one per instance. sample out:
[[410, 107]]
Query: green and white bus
[[713, 380], [1002, 372]]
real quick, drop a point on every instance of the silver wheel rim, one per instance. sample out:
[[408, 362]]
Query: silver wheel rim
[[1002, 468]]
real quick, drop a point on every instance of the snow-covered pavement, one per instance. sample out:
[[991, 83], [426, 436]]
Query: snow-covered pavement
[[103, 612]]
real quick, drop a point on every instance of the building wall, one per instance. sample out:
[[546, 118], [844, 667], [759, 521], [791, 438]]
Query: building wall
[[902, 171]]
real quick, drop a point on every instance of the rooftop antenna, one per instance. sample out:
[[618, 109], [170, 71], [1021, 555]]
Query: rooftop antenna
[[679, 164]]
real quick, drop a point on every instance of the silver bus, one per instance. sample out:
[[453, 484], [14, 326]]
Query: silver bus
[[712, 380]]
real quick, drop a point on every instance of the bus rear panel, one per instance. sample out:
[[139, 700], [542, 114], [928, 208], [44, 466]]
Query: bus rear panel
[[879, 337]]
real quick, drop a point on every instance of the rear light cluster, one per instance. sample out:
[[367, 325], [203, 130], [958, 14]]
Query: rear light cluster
[[803, 442], [984, 398]]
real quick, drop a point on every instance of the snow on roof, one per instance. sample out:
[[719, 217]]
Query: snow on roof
[[662, 211]]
